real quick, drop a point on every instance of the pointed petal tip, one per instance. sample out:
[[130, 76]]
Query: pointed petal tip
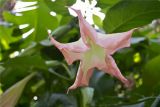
[[67, 6], [129, 32], [49, 34], [126, 82], [71, 88], [135, 29], [67, 91], [56, 43], [129, 83], [77, 11], [132, 30], [71, 8]]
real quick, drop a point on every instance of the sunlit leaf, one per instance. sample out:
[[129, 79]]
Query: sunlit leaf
[[39, 19], [6, 36], [97, 21]]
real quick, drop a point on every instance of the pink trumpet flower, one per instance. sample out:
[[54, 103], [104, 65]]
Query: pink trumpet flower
[[94, 50]]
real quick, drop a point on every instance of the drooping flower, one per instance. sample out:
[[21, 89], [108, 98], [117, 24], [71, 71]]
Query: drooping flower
[[94, 50]]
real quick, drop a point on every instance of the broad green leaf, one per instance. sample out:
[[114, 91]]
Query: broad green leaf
[[6, 36], [10, 97], [154, 48], [31, 49], [106, 3], [97, 21], [151, 75], [39, 19], [129, 14], [58, 6], [19, 67]]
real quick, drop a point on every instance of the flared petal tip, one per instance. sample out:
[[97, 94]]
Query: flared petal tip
[[49, 35], [135, 29], [72, 8], [69, 61], [71, 88], [132, 30], [67, 91], [78, 12], [67, 6], [129, 83]]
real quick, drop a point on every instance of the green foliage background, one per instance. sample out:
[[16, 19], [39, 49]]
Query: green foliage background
[[140, 63]]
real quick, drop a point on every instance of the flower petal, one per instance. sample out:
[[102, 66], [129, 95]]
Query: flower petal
[[71, 51], [77, 46], [112, 69], [86, 30], [81, 78], [114, 42]]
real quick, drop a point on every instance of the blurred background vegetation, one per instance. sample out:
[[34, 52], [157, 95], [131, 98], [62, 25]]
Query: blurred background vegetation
[[27, 56]]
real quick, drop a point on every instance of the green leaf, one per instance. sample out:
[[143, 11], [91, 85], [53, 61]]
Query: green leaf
[[87, 94], [151, 75], [97, 21], [154, 48], [58, 6], [56, 100], [156, 102], [10, 97], [1, 69], [129, 14], [19, 67], [6, 36], [39, 19], [106, 3], [54, 63]]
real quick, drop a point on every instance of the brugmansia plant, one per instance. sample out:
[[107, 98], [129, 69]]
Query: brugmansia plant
[[94, 50], [88, 36]]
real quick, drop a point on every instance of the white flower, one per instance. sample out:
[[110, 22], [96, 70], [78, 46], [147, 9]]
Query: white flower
[[88, 9]]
